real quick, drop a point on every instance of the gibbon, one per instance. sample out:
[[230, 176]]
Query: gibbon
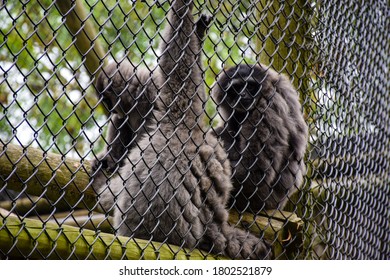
[[264, 133], [129, 94]]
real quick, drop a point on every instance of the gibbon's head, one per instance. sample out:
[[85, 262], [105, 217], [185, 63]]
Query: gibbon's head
[[240, 87], [121, 85]]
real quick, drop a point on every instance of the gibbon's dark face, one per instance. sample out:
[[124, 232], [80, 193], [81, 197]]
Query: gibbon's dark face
[[240, 87], [242, 95]]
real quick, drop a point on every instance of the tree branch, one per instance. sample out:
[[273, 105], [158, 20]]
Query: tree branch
[[66, 182], [36, 240], [62, 181], [81, 28]]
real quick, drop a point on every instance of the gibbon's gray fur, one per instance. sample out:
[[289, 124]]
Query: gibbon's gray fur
[[175, 183], [130, 95], [264, 133]]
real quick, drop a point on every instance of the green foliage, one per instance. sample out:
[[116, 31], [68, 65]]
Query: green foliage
[[43, 75]]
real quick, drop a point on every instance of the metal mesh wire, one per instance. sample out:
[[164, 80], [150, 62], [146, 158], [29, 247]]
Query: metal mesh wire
[[54, 122]]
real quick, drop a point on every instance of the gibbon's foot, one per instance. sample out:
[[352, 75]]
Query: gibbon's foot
[[244, 245]]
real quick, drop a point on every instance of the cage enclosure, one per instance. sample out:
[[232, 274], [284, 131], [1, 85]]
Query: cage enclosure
[[194, 129]]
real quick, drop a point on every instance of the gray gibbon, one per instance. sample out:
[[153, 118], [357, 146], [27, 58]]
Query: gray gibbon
[[129, 94], [174, 183], [264, 133]]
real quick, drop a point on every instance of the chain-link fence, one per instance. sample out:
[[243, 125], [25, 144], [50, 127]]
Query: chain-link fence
[[158, 130]]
